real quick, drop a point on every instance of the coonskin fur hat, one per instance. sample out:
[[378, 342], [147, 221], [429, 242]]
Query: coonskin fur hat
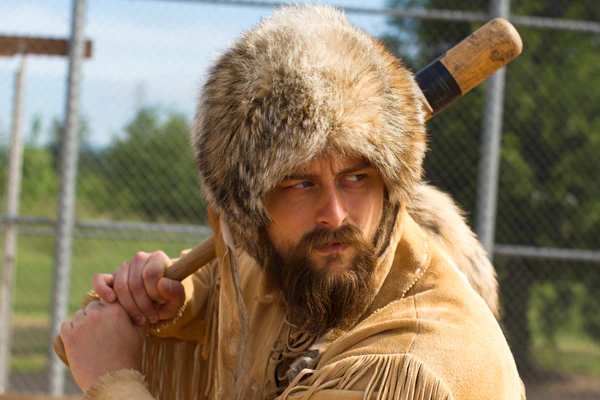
[[301, 83]]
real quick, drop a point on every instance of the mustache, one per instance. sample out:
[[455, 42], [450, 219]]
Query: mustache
[[319, 237]]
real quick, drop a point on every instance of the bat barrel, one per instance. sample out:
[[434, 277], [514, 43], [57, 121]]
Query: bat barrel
[[468, 63]]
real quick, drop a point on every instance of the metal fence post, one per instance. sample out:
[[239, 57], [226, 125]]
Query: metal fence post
[[13, 190], [487, 180], [66, 207]]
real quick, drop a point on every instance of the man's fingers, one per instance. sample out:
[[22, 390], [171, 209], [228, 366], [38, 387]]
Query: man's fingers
[[153, 271], [174, 293], [103, 286], [121, 287], [137, 287]]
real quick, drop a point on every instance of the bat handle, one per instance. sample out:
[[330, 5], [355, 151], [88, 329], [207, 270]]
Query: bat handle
[[468, 64], [186, 265]]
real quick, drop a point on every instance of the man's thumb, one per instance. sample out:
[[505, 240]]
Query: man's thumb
[[169, 289]]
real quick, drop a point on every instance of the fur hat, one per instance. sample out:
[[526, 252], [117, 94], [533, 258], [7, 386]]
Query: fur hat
[[302, 82]]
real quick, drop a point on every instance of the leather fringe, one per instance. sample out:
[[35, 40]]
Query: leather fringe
[[175, 369], [396, 376], [182, 370]]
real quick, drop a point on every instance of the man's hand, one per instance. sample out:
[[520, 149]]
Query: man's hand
[[139, 285], [99, 339]]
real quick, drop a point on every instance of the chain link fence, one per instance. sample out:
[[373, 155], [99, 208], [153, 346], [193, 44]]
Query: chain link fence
[[137, 187]]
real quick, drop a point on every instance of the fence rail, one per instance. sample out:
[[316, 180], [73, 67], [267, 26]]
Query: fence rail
[[426, 14], [149, 230]]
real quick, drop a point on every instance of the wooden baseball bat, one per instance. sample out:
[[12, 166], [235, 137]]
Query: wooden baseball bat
[[444, 80]]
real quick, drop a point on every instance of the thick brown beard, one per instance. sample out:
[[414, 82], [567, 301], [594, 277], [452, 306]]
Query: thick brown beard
[[318, 300]]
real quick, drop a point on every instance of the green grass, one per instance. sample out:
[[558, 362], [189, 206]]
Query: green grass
[[571, 354], [29, 343], [35, 259], [32, 299]]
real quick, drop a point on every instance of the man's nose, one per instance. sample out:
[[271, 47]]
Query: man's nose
[[332, 212]]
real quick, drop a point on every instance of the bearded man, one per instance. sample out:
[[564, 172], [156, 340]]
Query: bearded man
[[339, 273]]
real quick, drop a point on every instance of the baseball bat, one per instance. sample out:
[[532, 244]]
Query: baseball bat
[[444, 80]]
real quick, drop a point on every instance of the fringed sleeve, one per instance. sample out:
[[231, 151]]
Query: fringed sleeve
[[179, 358], [179, 354], [373, 377], [122, 384]]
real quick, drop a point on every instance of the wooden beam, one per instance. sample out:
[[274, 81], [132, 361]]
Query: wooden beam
[[14, 45]]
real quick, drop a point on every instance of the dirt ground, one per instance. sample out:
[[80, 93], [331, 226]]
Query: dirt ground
[[566, 387], [32, 386]]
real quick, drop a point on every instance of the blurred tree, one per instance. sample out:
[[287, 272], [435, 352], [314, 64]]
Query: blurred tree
[[39, 186], [35, 133], [151, 171], [86, 174], [56, 133], [548, 194], [39, 182]]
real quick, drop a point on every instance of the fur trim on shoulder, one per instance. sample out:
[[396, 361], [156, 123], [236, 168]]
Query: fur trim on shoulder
[[302, 83]]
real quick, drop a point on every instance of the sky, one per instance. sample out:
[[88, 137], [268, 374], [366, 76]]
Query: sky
[[146, 52]]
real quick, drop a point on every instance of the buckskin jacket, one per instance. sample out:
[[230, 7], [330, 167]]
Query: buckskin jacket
[[426, 335]]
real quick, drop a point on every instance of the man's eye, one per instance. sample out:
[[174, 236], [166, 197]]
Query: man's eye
[[355, 177], [296, 184], [302, 185]]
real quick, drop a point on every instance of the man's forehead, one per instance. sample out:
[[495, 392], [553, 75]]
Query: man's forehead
[[332, 162]]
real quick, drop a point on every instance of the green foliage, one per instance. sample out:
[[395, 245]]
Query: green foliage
[[56, 132], [590, 307], [551, 125], [150, 172], [38, 182], [552, 309], [39, 187]]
